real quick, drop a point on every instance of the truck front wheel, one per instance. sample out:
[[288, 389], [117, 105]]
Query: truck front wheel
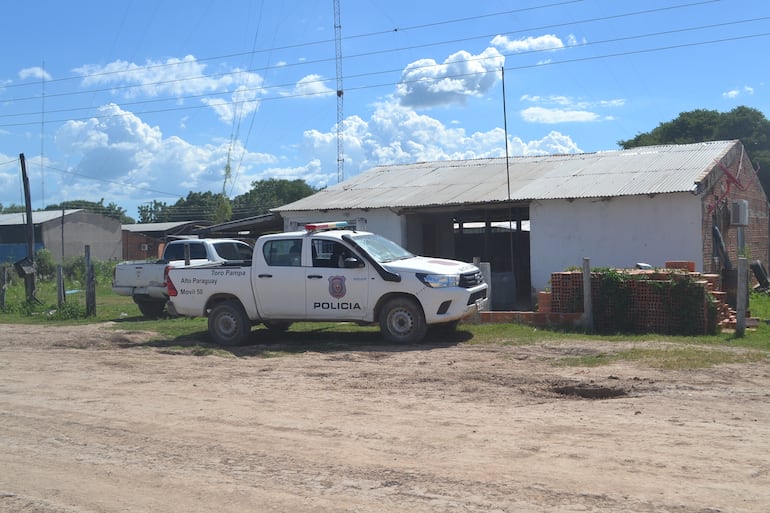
[[402, 321], [228, 324]]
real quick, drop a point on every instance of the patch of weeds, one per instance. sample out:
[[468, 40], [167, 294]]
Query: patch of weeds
[[195, 350], [274, 354], [595, 360], [67, 311]]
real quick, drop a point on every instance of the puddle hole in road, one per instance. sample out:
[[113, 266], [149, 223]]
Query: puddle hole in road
[[588, 391]]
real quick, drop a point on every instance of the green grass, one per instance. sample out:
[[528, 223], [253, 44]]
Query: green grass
[[687, 356], [189, 336]]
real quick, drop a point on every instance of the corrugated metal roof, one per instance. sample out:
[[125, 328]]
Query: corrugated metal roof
[[43, 216], [157, 227], [638, 171]]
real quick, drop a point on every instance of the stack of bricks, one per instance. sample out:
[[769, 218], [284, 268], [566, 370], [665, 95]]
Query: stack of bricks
[[567, 292], [652, 307]]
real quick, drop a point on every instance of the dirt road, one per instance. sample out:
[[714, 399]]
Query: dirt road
[[96, 420]]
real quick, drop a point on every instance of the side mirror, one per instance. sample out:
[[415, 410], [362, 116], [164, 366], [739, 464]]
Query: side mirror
[[353, 263]]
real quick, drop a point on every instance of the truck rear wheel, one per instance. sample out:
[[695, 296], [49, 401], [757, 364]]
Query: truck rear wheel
[[228, 324], [277, 326], [402, 321], [150, 308]]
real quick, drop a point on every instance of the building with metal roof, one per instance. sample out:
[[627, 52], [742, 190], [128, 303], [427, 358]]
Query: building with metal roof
[[649, 204], [145, 241], [64, 233]]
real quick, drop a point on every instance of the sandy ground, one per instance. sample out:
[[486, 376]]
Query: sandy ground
[[98, 420]]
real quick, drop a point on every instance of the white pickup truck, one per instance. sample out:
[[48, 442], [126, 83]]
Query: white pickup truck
[[329, 272], [146, 281]]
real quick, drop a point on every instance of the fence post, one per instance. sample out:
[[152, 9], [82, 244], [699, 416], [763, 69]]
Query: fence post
[[60, 286], [4, 286], [90, 285], [588, 308]]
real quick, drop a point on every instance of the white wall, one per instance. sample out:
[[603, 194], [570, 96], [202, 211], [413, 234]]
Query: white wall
[[379, 221], [618, 232]]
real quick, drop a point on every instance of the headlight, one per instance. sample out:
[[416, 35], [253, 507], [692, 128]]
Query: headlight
[[439, 280]]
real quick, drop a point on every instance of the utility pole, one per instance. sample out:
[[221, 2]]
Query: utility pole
[[340, 92], [28, 267]]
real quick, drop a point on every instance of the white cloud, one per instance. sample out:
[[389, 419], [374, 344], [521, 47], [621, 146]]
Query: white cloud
[[543, 115], [35, 72], [130, 161], [395, 134], [734, 93], [178, 78], [311, 86], [565, 109], [426, 83], [530, 44], [572, 103], [242, 102]]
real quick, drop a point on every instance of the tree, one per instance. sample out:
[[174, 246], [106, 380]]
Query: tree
[[744, 123], [109, 210], [269, 194], [154, 212], [13, 208], [218, 208], [199, 206]]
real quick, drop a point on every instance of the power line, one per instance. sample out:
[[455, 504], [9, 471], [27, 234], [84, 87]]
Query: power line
[[182, 62], [390, 84], [311, 43]]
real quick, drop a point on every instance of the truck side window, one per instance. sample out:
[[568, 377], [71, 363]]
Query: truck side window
[[176, 251], [284, 252], [329, 253], [233, 251]]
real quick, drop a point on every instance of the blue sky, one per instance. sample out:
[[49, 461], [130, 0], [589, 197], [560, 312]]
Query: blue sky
[[146, 100]]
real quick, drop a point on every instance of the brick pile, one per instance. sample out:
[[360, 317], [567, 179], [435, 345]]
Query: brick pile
[[651, 306], [652, 309]]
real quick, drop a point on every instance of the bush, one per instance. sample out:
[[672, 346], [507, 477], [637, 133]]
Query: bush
[[45, 267]]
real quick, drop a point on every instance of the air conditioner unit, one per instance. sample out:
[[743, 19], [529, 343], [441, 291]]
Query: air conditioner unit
[[144, 247], [739, 213]]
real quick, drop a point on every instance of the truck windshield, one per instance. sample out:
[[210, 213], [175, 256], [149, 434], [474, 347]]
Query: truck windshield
[[381, 249]]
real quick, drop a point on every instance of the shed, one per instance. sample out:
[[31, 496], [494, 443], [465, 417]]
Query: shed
[[649, 204], [145, 241], [64, 233]]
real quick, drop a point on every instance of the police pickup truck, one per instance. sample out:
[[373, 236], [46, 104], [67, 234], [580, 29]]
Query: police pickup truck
[[328, 272]]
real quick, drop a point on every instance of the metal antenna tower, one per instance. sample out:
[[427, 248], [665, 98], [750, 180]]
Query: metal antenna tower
[[340, 92]]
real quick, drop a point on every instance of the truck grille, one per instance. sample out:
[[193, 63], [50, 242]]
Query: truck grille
[[469, 280], [481, 294]]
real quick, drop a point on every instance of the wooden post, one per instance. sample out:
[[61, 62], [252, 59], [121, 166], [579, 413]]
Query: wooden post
[[29, 278], [60, 299], [4, 286], [588, 309], [90, 285]]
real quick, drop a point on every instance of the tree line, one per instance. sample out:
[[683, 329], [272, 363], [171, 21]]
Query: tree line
[[199, 206]]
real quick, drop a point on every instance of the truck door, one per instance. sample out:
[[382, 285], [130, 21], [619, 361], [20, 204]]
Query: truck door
[[279, 284], [334, 291]]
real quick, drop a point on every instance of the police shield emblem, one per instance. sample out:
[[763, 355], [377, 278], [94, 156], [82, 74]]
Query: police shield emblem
[[337, 286]]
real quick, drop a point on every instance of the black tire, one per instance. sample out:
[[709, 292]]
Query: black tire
[[277, 325], [228, 324], [445, 329], [402, 321], [149, 308]]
